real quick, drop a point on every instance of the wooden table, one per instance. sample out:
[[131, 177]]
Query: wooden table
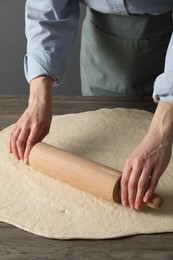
[[17, 244]]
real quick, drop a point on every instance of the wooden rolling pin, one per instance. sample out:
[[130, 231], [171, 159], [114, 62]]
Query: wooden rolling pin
[[85, 174]]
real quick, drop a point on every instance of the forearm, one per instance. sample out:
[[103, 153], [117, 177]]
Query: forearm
[[41, 90], [162, 122]]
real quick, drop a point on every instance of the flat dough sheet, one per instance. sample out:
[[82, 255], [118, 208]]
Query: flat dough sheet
[[47, 207]]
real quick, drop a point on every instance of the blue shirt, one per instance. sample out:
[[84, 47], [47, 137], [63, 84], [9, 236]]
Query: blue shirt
[[51, 28]]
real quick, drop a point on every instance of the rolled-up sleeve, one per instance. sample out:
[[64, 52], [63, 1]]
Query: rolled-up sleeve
[[50, 27], [163, 86]]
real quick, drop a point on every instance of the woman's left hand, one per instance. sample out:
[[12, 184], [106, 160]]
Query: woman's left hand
[[143, 169], [148, 161]]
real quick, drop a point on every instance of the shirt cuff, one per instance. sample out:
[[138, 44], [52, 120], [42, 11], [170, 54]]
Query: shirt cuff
[[44, 63], [163, 87]]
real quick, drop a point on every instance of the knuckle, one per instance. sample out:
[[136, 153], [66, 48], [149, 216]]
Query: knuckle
[[137, 163], [142, 184], [20, 142], [30, 143], [25, 125], [132, 185], [37, 126], [128, 162], [13, 138], [124, 181]]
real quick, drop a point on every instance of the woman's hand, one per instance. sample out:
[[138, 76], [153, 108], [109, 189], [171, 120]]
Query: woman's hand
[[149, 160], [34, 124]]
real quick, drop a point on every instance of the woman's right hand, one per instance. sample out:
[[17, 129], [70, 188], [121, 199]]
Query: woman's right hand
[[34, 124]]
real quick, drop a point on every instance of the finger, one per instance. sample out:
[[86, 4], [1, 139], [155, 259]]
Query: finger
[[9, 138], [21, 142], [27, 152], [143, 184], [32, 140], [32, 143], [152, 185], [13, 142], [132, 186], [124, 185]]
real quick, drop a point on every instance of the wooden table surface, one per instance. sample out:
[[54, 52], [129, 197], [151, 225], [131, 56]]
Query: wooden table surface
[[17, 244]]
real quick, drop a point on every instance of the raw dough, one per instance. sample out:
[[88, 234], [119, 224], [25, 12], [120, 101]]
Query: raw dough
[[47, 207]]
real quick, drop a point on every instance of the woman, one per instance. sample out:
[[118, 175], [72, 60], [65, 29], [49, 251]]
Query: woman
[[124, 45]]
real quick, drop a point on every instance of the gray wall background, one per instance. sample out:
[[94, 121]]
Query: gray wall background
[[12, 50]]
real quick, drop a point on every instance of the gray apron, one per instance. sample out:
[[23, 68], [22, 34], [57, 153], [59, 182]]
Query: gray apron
[[123, 55]]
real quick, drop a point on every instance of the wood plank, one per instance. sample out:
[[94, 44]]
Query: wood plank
[[17, 244], [62, 104], [11, 107]]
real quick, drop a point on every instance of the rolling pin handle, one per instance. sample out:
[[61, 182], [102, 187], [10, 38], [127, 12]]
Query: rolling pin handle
[[156, 202]]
